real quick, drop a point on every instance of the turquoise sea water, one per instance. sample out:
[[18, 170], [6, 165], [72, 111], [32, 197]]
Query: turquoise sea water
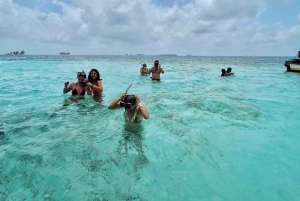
[[208, 137]]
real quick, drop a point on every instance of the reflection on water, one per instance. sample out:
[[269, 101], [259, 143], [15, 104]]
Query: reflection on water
[[132, 140]]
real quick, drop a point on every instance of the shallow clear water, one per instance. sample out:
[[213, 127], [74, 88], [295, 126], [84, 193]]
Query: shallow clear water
[[208, 137]]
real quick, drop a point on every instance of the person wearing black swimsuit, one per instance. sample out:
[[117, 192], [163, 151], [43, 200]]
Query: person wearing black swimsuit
[[78, 88]]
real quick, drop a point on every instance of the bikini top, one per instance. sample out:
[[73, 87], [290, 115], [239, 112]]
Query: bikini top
[[74, 91], [144, 70], [134, 119], [95, 90]]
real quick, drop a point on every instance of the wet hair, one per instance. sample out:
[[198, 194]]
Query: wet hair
[[134, 99], [144, 65], [98, 75], [223, 72], [129, 99], [229, 70]]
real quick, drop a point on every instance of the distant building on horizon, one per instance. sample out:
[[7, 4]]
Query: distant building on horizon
[[15, 53]]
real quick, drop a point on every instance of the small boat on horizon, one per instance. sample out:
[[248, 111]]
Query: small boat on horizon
[[64, 53], [293, 65]]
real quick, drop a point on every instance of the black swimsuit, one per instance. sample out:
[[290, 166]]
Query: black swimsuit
[[74, 91]]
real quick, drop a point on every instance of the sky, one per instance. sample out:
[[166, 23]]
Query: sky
[[151, 27]]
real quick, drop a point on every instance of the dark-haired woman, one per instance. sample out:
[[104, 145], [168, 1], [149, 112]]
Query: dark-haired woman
[[223, 72], [95, 85], [134, 111]]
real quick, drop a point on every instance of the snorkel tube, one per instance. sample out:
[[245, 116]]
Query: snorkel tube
[[126, 104], [128, 88]]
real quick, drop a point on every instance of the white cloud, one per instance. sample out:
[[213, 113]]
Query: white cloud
[[205, 27]]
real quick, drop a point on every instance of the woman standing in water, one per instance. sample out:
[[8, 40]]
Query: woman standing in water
[[78, 89], [144, 70], [95, 84], [134, 111]]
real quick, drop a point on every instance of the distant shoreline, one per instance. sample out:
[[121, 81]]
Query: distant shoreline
[[163, 56]]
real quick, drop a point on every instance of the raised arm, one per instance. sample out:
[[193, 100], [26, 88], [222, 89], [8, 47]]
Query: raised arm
[[67, 87], [143, 110], [116, 103]]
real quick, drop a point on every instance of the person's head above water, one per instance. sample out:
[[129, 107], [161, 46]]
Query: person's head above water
[[94, 75], [156, 63], [129, 101], [81, 76], [229, 70], [134, 111], [223, 72], [144, 65]]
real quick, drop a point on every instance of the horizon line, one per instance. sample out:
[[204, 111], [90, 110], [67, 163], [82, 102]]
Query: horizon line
[[162, 55]]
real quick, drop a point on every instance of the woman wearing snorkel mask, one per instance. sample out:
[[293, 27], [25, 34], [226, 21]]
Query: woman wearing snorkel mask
[[134, 111], [77, 88], [144, 70]]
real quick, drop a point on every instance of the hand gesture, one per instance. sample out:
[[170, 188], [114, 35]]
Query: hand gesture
[[66, 84], [139, 106], [88, 84]]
